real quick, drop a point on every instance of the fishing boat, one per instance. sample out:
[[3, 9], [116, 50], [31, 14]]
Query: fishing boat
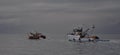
[[36, 36], [80, 34]]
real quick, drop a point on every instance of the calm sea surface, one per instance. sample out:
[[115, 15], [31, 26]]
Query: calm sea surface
[[57, 45]]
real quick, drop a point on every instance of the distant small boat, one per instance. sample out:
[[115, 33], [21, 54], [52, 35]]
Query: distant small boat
[[36, 36]]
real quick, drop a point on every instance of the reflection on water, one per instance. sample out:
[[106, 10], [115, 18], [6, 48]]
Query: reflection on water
[[54, 45]]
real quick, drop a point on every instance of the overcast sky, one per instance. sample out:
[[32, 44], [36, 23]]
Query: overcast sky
[[58, 16]]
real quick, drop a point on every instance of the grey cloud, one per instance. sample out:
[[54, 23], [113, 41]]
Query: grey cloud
[[58, 16]]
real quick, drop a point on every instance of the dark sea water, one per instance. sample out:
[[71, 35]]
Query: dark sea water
[[57, 45]]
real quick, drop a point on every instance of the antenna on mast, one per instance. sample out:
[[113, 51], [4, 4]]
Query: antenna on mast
[[93, 26]]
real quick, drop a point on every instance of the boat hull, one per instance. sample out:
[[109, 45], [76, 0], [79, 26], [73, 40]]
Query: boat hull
[[37, 37], [77, 38], [73, 38], [31, 37]]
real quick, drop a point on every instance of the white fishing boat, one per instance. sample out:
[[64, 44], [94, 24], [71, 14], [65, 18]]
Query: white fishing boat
[[81, 35]]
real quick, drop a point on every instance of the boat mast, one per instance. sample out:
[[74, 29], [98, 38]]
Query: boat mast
[[92, 29]]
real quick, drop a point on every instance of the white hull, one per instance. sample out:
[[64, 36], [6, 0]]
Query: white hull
[[76, 39], [73, 37]]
